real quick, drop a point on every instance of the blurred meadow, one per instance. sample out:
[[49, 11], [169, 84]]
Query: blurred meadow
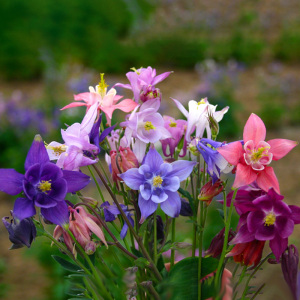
[[245, 54]]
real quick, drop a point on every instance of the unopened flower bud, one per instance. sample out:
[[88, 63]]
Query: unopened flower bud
[[289, 266], [192, 147], [214, 126], [90, 201], [185, 210], [150, 92], [90, 247], [209, 190]]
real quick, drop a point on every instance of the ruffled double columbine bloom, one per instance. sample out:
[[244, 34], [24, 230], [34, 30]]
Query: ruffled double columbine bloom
[[44, 185], [158, 183], [253, 155], [266, 218], [142, 83]]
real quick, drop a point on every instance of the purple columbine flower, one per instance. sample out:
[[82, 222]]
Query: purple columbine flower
[[141, 79], [21, 233], [111, 212], [216, 163], [158, 182], [44, 185], [267, 218]]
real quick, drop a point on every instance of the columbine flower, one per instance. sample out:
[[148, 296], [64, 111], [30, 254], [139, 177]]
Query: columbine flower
[[267, 218], [252, 159], [177, 129], [82, 225], [199, 115], [141, 80], [21, 233], [44, 185], [158, 182], [106, 101], [111, 212], [289, 266], [216, 163], [147, 125]]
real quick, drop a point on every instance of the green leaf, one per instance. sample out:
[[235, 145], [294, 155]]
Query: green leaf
[[182, 282], [66, 264], [141, 262]]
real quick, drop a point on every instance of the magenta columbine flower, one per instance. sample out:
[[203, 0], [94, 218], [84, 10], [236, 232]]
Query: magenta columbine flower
[[267, 218], [253, 158], [158, 182]]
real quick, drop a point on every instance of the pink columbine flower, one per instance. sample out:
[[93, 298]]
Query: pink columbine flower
[[252, 160], [107, 101]]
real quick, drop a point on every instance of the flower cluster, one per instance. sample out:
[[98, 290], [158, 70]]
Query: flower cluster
[[159, 168]]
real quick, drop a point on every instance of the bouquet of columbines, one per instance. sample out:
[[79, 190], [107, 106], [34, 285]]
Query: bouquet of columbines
[[124, 245]]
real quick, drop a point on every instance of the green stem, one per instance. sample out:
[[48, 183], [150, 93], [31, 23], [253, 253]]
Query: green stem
[[200, 246], [97, 184], [227, 227], [154, 238], [90, 288], [173, 240]]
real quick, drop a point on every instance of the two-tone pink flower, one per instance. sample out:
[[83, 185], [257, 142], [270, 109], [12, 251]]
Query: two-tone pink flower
[[253, 155]]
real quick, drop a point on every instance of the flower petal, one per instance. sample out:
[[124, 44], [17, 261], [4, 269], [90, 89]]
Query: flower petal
[[254, 220], [172, 205], [181, 169], [232, 152], [75, 180], [265, 233], [284, 226], [58, 214], [244, 175], [295, 213], [37, 153], [278, 245], [181, 108], [147, 208], [11, 182], [281, 147], [254, 129], [153, 160], [23, 208], [267, 179], [133, 178]]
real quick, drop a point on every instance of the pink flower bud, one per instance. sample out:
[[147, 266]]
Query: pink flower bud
[[90, 248], [209, 190]]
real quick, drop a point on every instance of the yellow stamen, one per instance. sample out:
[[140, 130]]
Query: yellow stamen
[[259, 153], [173, 124], [45, 186], [157, 181], [270, 219], [148, 125], [101, 87], [58, 150], [136, 71], [202, 101]]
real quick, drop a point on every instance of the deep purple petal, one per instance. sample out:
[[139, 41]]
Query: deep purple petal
[[50, 171], [133, 178], [106, 132], [23, 208], [284, 226], [58, 189], [37, 153], [265, 233], [281, 208], [295, 213], [159, 195], [33, 174], [172, 205], [153, 160], [58, 214], [76, 181], [11, 182], [255, 219], [278, 245], [43, 200], [243, 236], [124, 230], [29, 190], [182, 169], [147, 208]]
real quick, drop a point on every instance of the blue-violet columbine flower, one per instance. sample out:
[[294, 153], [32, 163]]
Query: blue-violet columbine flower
[[158, 182]]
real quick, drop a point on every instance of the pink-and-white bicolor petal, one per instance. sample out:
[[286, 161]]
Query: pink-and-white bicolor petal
[[254, 130], [281, 147], [244, 176], [232, 152], [267, 179]]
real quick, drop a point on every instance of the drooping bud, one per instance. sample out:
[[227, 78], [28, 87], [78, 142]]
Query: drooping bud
[[21, 233], [216, 245], [185, 210], [90, 248], [90, 201], [209, 190], [150, 92], [289, 266]]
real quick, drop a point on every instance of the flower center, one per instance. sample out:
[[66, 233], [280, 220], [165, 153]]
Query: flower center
[[45, 186], [173, 124], [102, 86], [259, 153], [148, 126], [270, 219], [157, 181], [58, 150]]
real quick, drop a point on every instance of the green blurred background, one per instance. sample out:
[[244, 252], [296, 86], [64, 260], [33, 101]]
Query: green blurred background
[[245, 54]]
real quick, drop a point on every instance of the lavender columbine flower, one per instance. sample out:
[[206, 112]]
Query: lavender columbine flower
[[142, 78], [44, 185], [158, 182], [216, 163], [21, 233], [111, 212], [267, 218]]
